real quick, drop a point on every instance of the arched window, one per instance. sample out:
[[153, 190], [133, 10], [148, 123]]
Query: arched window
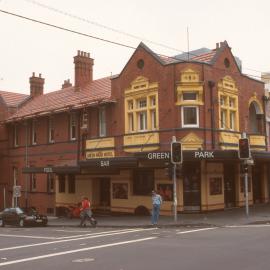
[[255, 118]]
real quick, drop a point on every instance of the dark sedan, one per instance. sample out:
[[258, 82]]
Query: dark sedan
[[19, 217]]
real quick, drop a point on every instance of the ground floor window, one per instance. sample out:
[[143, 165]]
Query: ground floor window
[[143, 182], [61, 183]]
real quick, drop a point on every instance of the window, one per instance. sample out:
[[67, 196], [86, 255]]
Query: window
[[232, 120], [102, 122], [143, 182], [228, 109], [141, 103], [15, 176], [73, 126], [71, 183], [50, 183], [34, 132], [130, 122], [223, 119], [16, 137], [190, 116], [61, 183], [51, 130], [33, 182], [153, 119], [189, 96], [142, 121]]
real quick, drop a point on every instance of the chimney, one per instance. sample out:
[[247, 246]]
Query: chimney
[[83, 69], [36, 85], [217, 46], [66, 84]]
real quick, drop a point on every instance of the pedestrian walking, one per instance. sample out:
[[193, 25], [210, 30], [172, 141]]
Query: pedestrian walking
[[156, 202], [86, 212]]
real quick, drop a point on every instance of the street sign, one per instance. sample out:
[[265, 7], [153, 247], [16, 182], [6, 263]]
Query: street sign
[[17, 191]]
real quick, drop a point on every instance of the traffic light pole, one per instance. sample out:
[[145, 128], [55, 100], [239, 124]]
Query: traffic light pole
[[174, 194], [246, 189]]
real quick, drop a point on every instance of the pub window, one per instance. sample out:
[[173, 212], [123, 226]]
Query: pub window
[[73, 126], [190, 116], [33, 182], [143, 182], [15, 176], [102, 122], [34, 132], [153, 120], [50, 183], [16, 137], [190, 96], [130, 122], [51, 130], [61, 183], [71, 183], [142, 121]]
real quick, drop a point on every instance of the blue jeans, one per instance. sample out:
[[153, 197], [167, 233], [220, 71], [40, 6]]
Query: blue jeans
[[155, 213]]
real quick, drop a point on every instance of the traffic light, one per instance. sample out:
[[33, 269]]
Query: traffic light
[[244, 152], [169, 170], [176, 152]]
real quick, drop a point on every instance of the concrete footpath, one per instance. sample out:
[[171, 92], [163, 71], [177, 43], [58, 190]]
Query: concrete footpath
[[258, 214]]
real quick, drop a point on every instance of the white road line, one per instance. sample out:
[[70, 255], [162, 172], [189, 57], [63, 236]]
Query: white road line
[[74, 239], [75, 251], [97, 233], [248, 226], [26, 236], [197, 230], [62, 237]]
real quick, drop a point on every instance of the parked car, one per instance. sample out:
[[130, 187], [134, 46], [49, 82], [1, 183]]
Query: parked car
[[20, 217]]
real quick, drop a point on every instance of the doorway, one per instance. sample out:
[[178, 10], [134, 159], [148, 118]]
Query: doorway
[[192, 186], [257, 183], [229, 184], [105, 192]]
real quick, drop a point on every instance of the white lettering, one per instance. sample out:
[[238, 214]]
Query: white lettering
[[105, 163], [203, 154], [158, 155]]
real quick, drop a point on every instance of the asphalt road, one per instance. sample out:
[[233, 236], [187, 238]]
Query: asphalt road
[[238, 247]]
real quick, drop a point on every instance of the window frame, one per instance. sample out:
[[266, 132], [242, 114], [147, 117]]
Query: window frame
[[62, 183], [102, 121], [73, 124], [33, 132], [183, 119], [51, 130]]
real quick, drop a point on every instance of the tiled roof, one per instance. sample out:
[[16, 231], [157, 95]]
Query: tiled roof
[[67, 98], [12, 99], [206, 57]]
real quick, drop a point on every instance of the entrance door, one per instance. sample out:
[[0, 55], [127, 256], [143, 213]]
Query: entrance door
[[192, 186], [229, 185], [256, 182], [105, 192]]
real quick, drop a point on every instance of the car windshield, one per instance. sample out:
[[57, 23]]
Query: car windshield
[[19, 210]]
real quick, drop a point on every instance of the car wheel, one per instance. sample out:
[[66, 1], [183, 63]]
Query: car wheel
[[21, 223]]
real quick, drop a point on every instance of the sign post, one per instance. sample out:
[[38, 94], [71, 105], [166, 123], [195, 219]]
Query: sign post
[[176, 158], [16, 193]]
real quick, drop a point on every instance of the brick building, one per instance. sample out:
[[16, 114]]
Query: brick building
[[110, 138]]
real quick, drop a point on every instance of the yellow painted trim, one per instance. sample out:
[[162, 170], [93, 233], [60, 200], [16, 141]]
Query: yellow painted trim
[[227, 89], [255, 99], [191, 142], [231, 138], [141, 149], [257, 140], [189, 83], [140, 89], [100, 143], [141, 139]]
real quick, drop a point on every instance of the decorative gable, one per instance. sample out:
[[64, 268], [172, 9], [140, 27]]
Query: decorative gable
[[192, 142]]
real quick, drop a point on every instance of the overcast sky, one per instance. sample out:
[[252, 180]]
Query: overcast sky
[[27, 47]]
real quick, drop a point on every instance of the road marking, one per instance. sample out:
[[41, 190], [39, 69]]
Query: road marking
[[248, 226], [83, 260], [26, 236], [74, 239], [75, 251], [197, 230]]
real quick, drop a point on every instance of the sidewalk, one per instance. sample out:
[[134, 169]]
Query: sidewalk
[[258, 214]]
